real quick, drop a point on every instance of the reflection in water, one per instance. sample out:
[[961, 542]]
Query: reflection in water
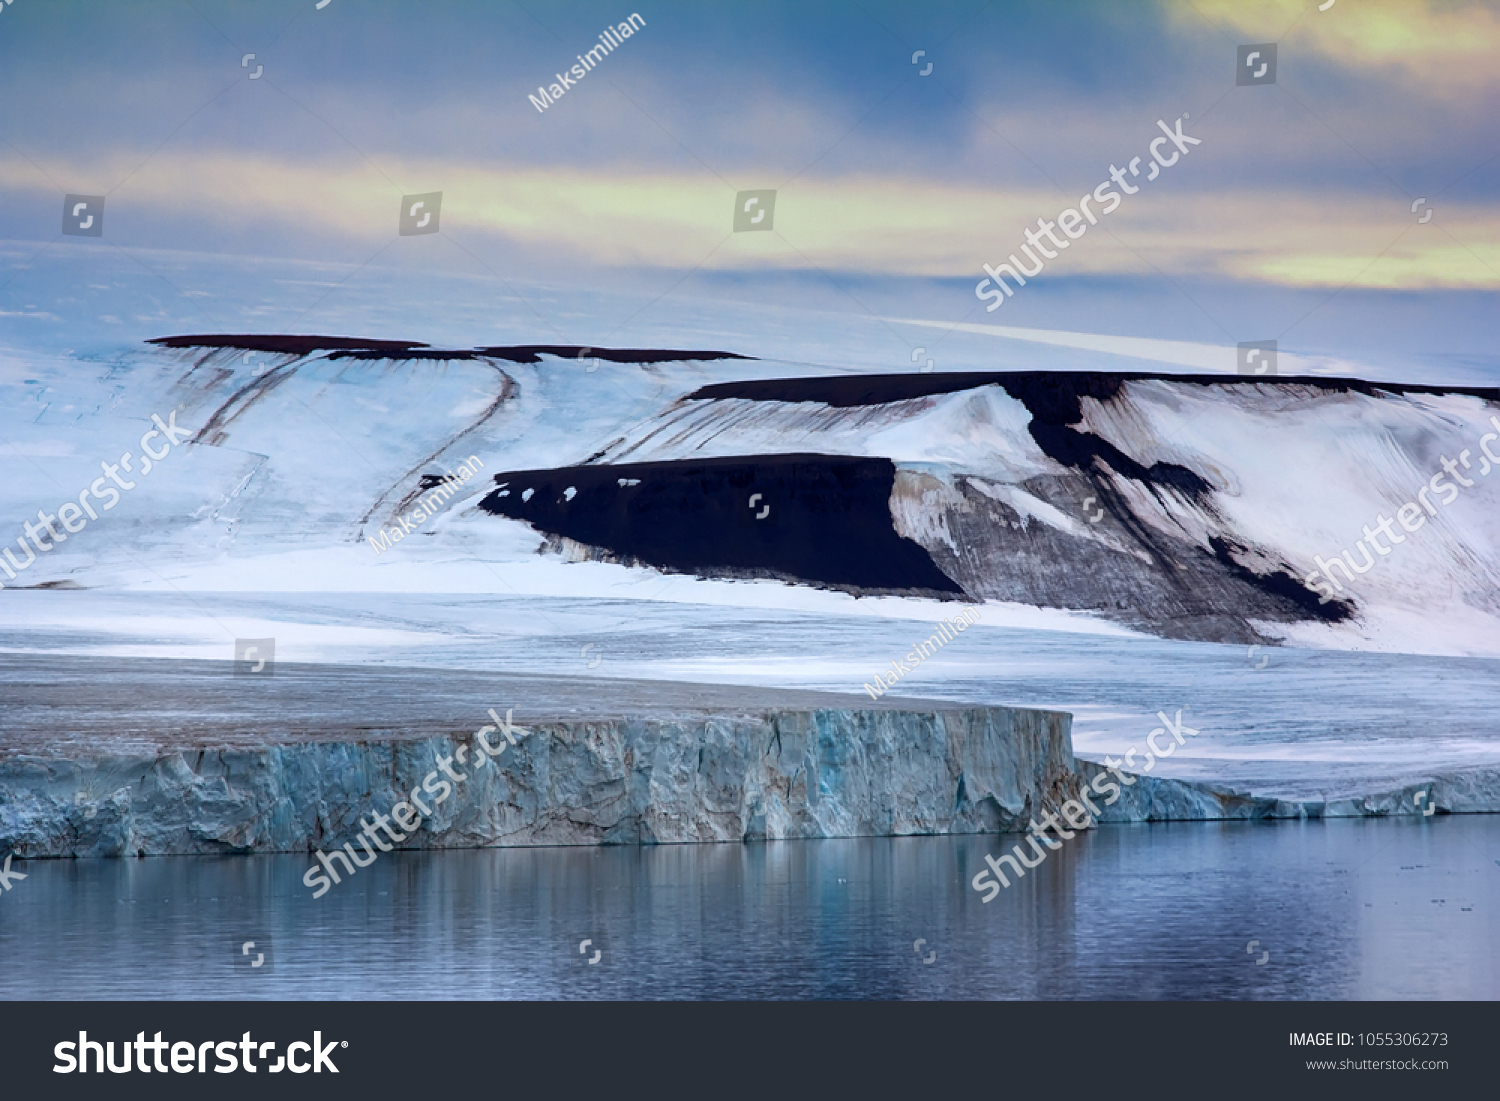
[[1346, 909]]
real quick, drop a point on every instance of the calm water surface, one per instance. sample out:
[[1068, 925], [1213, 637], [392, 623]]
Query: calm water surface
[[1346, 909]]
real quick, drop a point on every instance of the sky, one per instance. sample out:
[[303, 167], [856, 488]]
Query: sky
[[243, 201]]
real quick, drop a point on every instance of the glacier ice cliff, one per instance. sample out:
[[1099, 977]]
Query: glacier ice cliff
[[124, 757], [1160, 799], [107, 757]]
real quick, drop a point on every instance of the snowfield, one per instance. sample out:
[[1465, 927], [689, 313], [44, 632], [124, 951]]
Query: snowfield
[[296, 461]]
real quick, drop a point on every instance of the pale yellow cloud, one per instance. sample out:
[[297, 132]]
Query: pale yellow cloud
[[880, 225], [1445, 46], [1304, 241], [1405, 267]]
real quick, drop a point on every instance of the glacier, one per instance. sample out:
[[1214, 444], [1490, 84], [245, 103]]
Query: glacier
[[1203, 488], [184, 757]]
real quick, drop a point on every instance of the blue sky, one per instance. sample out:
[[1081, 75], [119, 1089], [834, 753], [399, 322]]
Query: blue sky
[[1292, 219]]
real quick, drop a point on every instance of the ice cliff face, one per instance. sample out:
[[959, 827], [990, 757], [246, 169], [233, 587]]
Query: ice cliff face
[[1157, 799], [287, 766]]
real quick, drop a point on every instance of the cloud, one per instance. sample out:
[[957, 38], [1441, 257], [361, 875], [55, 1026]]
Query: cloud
[[1447, 47], [572, 219]]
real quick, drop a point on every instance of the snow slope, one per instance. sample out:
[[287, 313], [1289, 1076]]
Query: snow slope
[[1190, 506], [1195, 509]]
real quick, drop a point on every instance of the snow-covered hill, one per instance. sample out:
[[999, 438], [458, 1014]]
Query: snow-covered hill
[[1192, 506], [1185, 506]]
